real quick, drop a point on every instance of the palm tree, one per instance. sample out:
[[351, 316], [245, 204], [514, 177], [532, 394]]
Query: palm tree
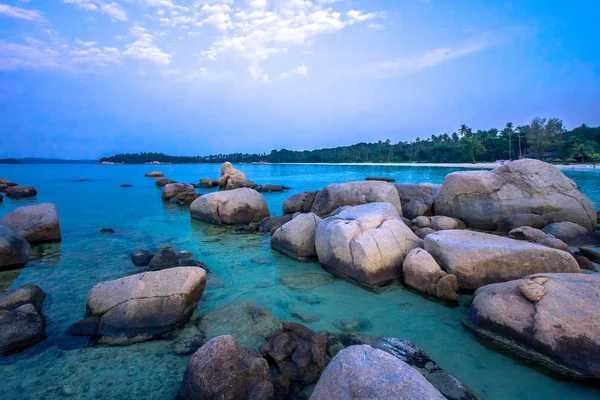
[[464, 130], [509, 131]]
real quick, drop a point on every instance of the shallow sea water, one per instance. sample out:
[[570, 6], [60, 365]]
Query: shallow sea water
[[62, 366]]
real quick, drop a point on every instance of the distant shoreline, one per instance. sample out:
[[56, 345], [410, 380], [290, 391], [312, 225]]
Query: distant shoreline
[[574, 167]]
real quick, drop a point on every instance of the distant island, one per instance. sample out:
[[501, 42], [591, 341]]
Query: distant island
[[542, 138], [44, 161]]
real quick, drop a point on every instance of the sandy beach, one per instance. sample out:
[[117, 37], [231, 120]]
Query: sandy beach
[[574, 167]]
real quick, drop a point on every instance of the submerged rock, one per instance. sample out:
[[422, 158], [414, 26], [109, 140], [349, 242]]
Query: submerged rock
[[365, 244], [296, 238], [548, 319], [36, 224], [232, 207], [14, 250], [21, 327], [184, 199], [20, 192], [154, 174], [141, 258], [422, 273], [268, 188], [487, 199], [222, 369], [107, 230], [409, 353], [337, 195], [188, 346], [478, 259], [301, 202], [165, 258], [26, 294], [207, 183], [306, 281], [144, 306], [369, 373], [306, 318]]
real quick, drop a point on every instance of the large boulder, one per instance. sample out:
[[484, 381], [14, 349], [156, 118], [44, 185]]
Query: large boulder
[[301, 202], [36, 224], [487, 199], [232, 207], [478, 259], [566, 231], [143, 306], [161, 182], [296, 238], [423, 273], [365, 244], [298, 354], [537, 236], [154, 174], [222, 369], [171, 190], [228, 173], [355, 193], [271, 224], [20, 192], [417, 199], [550, 319], [14, 250], [7, 183], [368, 373], [21, 321]]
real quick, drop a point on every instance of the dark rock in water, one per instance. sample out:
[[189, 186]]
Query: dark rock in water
[[245, 229], [207, 183], [306, 281], [164, 259], [307, 318], [1, 198], [409, 353], [107, 230], [184, 199], [268, 188], [141, 258], [222, 369], [190, 262], [22, 295], [271, 224], [126, 185], [379, 178], [310, 299], [297, 354], [405, 306], [154, 174], [261, 260], [301, 202], [5, 183], [593, 255], [14, 250], [85, 327], [247, 322], [21, 192], [160, 182], [20, 328], [353, 325], [188, 346], [585, 263]]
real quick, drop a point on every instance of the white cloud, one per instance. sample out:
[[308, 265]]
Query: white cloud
[[21, 13], [112, 9], [360, 16], [115, 10], [145, 49], [299, 70]]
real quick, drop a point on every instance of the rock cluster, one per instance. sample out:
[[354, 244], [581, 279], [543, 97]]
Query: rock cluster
[[423, 273], [335, 196], [417, 199], [14, 250], [22, 323]]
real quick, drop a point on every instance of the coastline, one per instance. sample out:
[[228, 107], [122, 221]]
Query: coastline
[[574, 167]]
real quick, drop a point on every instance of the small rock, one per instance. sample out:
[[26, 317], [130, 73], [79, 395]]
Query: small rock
[[532, 290], [85, 327], [379, 178], [184, 254], [164, 259], [585, 263], [593, 255], [161, 182], [441, 223], [352, 325], [21, 192], [422, 232], [261, 260], [22, 295], [306, 317], [154, 174], [188, 346], [141, 258], [125, 185], [107, 230], [422, 222], [306, 281]]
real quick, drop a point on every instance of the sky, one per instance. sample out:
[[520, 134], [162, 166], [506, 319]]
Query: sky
[[84, 79]]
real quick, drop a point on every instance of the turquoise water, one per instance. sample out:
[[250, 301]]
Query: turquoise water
[[61, 367]]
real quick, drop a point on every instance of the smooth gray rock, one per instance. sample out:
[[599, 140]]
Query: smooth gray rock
[[14, 250], [36, 224], [26, 294], [417, 199], [207, 183], [422, 273], [363, 372], [487, 199], [161, 182], [296, 238], [479, 259], [335, 196], [441, 223], [301, 202], [171, 190], [566, 231], [231, 207], [154, 174]]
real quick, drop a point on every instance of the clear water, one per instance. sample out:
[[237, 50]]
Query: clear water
[[60, 366]]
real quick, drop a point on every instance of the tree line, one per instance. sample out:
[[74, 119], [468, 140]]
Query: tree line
[[545, 139]]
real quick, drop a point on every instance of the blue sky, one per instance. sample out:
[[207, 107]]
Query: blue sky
[[90, 78]]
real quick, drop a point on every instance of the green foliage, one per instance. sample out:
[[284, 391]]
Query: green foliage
[[542, 138]]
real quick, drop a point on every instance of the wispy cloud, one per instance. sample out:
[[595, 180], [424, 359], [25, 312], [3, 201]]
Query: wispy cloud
[[145, 49], [21, 13], [428, 59]]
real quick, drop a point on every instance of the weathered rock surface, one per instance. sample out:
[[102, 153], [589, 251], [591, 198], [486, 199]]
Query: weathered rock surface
[[422, 232], [271, 224], [161, 182], [173, 189], [21, 321], [566, 231], [366, 244], [298, 355], [479, 259], [269, 188], [232, 207], [379, 178], [593, 255], [537, 236], [301, 202], [550, 319], [14, 250], [368, 373], [222, 369], [154, 174], [228, 173], [22, 295], [20, 192], [337, 195], [141, 258], [165, 258], [184, 199], [441, 223], [515, 221], [487, 199], [409, 353], [7, 183], [422, 222], [422, 273], [143, 306], [417, 199], [296, 238], [36, 224], [242, 183], [207, 183]]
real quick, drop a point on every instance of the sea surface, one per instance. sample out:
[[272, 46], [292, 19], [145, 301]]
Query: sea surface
[[244, 269]]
